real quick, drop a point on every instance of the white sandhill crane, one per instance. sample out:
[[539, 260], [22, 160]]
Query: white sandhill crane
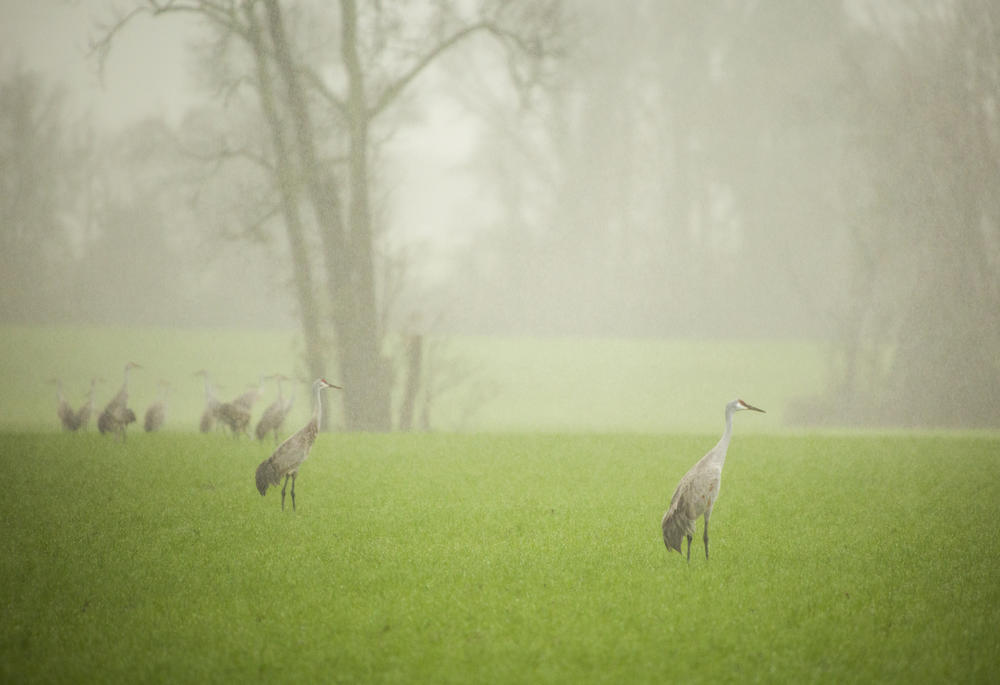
[[84, 412], [156, 414], [274, 415], [67, 417], [116, 415], [696, 493], [236, 414], [211, 412], [290, 454]]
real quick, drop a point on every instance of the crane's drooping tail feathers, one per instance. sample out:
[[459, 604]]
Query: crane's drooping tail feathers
[[104, 422], [675, 528], [267, 474]]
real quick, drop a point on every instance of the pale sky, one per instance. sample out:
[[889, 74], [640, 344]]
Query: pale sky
[[147, 71], [434, 203]]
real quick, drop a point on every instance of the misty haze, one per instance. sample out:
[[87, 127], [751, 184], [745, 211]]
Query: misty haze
[[405, 341], [507, 215]]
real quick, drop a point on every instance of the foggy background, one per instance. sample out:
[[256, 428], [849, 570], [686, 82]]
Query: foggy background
[[823, 171]]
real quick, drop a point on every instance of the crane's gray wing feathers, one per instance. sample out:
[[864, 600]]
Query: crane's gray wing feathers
[[269, 419], [287, 457], [678, 522], [266, 476]]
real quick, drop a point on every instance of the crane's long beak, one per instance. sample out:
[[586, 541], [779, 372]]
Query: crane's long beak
[[751, 407]]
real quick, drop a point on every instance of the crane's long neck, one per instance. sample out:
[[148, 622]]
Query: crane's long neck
[[718, 453], [318, 407]]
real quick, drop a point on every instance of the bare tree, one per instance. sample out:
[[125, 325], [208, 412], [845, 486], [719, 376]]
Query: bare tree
[[380, 58]]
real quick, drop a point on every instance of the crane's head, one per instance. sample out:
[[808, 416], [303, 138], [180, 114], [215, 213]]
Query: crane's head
[[740, 405], [132, 365], [323, 384]]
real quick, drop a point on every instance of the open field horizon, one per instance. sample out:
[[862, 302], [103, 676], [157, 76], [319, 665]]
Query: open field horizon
[[493, 384]]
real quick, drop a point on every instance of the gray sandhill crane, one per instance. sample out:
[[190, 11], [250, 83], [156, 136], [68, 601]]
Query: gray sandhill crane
[[274, 415], [236, 414], [156, 414], [84, 412], [290, 454], [211, 412], [116, 415], [67, 417], [696, 493]]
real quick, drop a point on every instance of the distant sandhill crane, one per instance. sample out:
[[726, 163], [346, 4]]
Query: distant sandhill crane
[[87, 408], [274, 415], [116, 415], [290, 454], [236, 413], [156, 415], [211, 412], [67, 417], [696, 493]]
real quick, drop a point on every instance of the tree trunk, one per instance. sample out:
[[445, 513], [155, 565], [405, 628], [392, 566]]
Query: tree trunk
[[372, 408], [347, 257], [415, 357], [288, 192]]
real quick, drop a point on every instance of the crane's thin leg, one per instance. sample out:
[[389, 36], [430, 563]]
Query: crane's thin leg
[[294, 476], [689, 547], [706, 535], [283, 493]]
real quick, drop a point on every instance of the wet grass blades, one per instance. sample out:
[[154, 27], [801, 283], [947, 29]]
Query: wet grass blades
[[498, 557]]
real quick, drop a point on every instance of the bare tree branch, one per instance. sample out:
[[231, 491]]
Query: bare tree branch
[[392, 92], [101, 47]]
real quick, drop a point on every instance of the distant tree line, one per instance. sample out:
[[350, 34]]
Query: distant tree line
[[98, 227], [825, 170]]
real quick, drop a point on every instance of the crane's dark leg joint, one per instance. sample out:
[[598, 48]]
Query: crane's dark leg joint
[[285, 485]]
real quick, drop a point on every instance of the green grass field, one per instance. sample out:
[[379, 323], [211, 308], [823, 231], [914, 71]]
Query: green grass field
[[499, 558]]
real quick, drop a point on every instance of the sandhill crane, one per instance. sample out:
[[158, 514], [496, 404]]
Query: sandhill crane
[[696, 493], [274, 415], [67, 417], [236, 414], [84, 412], [156, 415], [290, 454], [116, 415], [211, 404]]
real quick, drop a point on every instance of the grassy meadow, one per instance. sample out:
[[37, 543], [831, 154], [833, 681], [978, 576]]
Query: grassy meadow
[[458, 558], [519, 542]]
